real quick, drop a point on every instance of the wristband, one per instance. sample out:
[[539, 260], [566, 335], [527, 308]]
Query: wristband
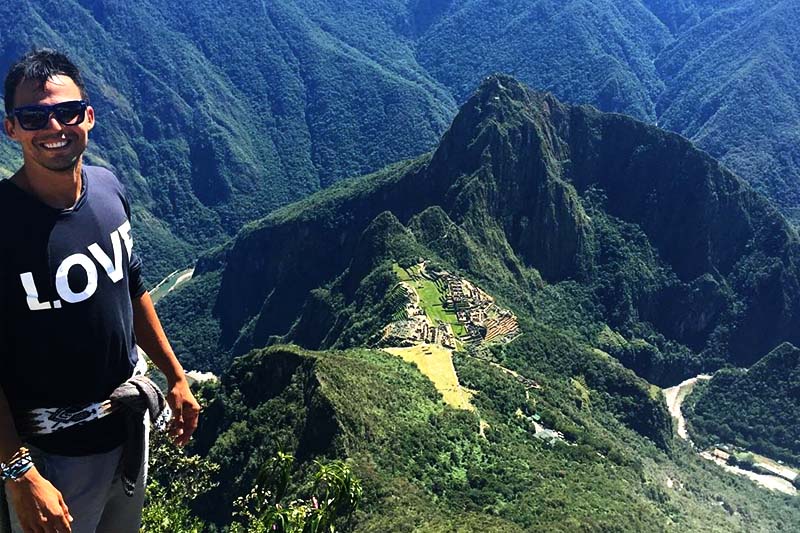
[[17, 466]]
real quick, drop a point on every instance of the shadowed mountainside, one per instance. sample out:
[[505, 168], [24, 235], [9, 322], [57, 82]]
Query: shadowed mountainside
[[214, 115], [657, 253]]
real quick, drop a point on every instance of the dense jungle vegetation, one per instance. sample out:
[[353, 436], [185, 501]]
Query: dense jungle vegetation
[[215, 114]]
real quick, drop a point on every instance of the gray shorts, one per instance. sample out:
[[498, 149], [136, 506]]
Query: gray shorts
[[92, 489]]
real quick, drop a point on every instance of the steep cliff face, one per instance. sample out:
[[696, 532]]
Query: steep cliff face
[[270, 399], [669, 249], [503, 157], [512, 177], [711, 228], [274, 263]]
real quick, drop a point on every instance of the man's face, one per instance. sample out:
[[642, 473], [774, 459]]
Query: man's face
[[45, 148]]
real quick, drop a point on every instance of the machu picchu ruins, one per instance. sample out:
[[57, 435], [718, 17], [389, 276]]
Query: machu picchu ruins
[[446, 309]]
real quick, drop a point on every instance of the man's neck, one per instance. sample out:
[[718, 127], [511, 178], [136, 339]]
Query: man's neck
[[58, 189]]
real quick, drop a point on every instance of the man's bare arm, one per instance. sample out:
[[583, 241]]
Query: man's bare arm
[[9, 438], [151, 337], [38, 504]]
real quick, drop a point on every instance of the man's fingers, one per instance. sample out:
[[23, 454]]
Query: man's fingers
[[189, 424], [66, 518], [192, 415], [45, 522], [39, 506], [56, 521], [32, 519], [176, 425], [42, 526], [185, 414], [192, 411], [177, 419], [56, 524], [36, 528]]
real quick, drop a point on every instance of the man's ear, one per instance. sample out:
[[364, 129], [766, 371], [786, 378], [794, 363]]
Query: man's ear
[[90, 116], [10, 127]]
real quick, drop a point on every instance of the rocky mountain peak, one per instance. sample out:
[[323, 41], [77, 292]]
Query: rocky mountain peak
[[499, 106], [527, 188]]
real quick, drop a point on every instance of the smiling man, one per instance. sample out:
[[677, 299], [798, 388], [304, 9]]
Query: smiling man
[[72, 309]]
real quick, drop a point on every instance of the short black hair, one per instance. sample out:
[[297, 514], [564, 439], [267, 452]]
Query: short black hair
[[40, 65]]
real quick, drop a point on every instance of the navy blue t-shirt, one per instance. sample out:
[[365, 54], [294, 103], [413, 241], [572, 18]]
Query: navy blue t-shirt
[[67, 277]]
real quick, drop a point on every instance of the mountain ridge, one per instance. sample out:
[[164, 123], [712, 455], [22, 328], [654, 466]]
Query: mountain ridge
[[210, 129], [499, 152], [422, 462], [568, 427]]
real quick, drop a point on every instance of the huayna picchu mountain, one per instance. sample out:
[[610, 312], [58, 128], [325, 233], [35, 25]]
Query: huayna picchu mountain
[[627, 236], [611, 243]]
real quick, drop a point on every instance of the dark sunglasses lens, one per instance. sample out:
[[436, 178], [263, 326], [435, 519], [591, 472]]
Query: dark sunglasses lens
[[33, 119], [69, 113]]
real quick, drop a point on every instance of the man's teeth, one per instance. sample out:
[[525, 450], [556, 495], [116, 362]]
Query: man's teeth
[[58, 144]]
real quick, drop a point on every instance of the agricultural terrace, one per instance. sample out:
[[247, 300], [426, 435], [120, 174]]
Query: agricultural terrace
[[442, 307], [432, 295], [435, 362]]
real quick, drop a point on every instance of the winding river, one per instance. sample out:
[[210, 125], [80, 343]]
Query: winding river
[[675, 397]]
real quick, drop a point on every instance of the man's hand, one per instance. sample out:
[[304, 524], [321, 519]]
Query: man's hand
[[185, 411], [151, 337], [38, 504]]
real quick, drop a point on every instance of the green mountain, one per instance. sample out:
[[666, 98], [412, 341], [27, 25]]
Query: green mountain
[[426, 466], [215, 114], [757, 408], [622, 234], [734, 56], [576, 221], [597, 52], [722, 74], [210, 128]]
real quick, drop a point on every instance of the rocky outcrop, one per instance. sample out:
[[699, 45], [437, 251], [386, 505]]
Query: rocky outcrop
[[506, 196]]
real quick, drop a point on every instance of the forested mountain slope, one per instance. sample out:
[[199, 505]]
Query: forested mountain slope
[[732, 86], [757, 409], [622, 234], [723, 74], [426, 466], [597, 52], [214, 114], [604, 236]]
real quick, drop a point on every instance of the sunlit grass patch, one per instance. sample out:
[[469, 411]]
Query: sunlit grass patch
[[436, 362]]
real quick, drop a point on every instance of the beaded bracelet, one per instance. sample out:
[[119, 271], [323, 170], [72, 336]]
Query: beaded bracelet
[[18, 454], [16, 467]]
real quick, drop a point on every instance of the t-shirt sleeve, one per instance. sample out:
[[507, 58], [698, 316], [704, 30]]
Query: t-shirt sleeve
[[135, 279]]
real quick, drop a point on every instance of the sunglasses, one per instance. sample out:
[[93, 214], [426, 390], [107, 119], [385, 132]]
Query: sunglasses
[[37, 117]]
